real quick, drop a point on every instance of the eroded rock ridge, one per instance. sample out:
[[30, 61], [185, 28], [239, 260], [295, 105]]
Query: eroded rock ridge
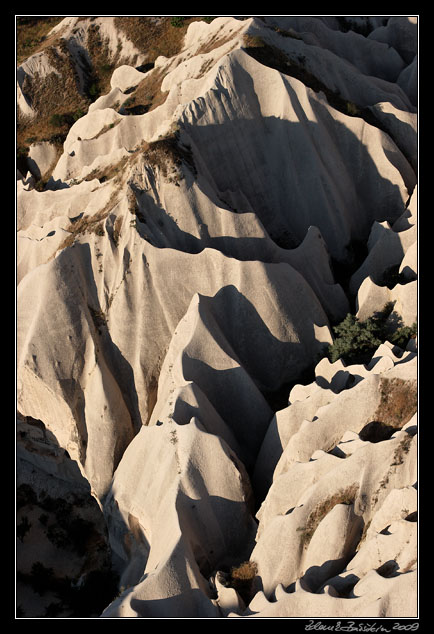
[[183, 260]]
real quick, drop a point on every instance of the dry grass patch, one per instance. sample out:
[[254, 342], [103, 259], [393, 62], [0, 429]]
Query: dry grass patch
[[113, 170], [117, 230], [402, 450], [398, 402], [102, 63], [154, 36], [399, 454], [167, 153], [58, 92], [88, 224], [105, 129], [215, 42], [241, 579], [56, 100], [344, 496], [148, 92], [32, 35], [59, 99]]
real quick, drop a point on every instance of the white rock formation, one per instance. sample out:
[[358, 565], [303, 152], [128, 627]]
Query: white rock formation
[[42, 156], [180, 275], [318, 492], [191, 494]]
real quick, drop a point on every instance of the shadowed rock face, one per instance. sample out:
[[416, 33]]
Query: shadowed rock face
[[179, 277]]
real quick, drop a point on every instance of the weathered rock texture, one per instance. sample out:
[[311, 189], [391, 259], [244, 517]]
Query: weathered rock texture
[[179, 276]]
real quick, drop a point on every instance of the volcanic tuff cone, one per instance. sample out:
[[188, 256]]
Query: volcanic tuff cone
[[184, 254]]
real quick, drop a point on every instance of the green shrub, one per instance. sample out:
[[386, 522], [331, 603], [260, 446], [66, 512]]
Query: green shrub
[[177, 21], [94, 91], [356, 341], [352, 109], [402, 336], [57, 120], [22, 151], [78, 114]]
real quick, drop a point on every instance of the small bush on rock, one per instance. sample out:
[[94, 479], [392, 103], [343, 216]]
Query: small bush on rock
[[241, 579], [356, 341]]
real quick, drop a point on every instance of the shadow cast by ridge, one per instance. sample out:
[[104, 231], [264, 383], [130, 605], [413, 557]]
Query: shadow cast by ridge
[[317, 172]]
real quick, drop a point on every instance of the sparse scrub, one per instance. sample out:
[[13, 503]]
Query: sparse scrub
[[57, 120], [105, 129], [402, 335], [402, 449], [99, 319], [32, 34], [25, 496], [155, 36], [344, 496], [57, 99], [147, 94], [398, 401], [117, 230], [94, 91], [241, 579], [286, 33], [167, 152], [355, 341], [273, 57], [353, 110], [177, 21], [88, 224]]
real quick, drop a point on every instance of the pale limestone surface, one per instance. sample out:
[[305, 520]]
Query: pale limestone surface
[[41, 158], [94, 353], [188, 479], [374, 597], [386, 250], [152, 344], [390, 248], [379, 479], [371, 298], [280, 555], [75, 34], [37, 66], [125, 77]]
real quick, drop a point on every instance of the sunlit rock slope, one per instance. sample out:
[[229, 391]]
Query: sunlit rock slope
[[182, 260]]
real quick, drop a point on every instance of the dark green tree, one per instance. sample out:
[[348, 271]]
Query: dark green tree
[[356, 341]]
